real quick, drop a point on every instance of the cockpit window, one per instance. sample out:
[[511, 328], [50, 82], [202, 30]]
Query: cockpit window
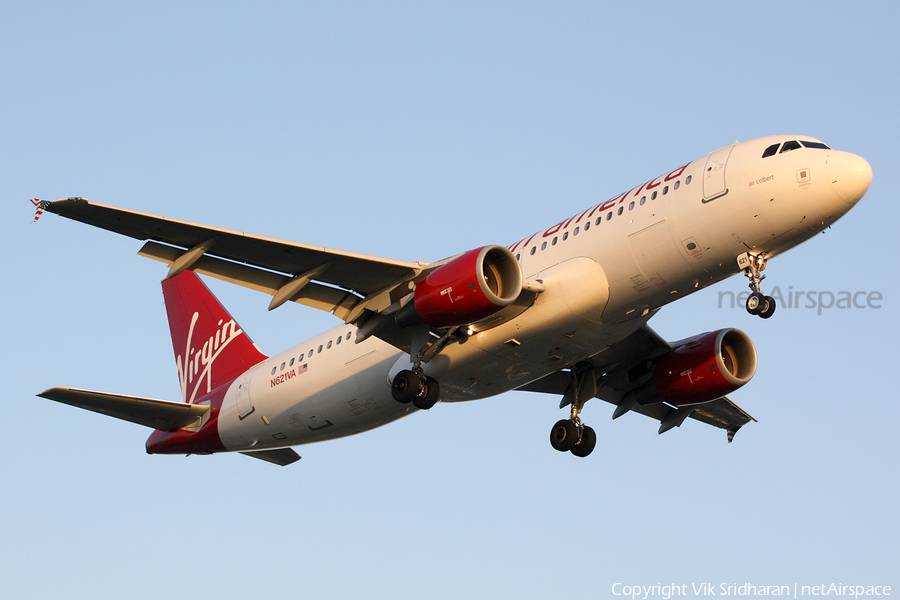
[[771, 150], [818, 145], [788, 146]]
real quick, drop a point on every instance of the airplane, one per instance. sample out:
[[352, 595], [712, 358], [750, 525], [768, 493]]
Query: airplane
[[563, 311]]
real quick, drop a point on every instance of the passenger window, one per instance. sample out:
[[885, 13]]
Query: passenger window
[[631, 206], [555, 239], [665, 190], [643, 199], [609, 215], [587, 225], [788, 146], [291, 363], [619, 212], [339, 340], [311, 352], [329, 345], [653, 197], [688, 180], [677, 184], [544, 246], [533, 249], [818, 145], [348, 335], [282, 367], [301, 358], [770, 150], [565, 236], [518, 257], [599, 220], [274, 369], [320, 348]]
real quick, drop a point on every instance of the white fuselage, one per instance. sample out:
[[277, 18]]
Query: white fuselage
[[605, 272]]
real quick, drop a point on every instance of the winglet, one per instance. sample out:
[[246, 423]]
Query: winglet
[[39, 207]]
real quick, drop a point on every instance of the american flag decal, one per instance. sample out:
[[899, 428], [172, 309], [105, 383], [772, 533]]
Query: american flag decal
[[39, 207]]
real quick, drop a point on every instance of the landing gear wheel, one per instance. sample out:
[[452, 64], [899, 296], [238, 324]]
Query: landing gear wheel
[[406, 386], [769, 308], [564, 435], [430, 397], [756, 303], [587, 443]]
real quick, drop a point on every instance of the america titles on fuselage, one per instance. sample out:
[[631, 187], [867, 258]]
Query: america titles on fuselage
[[649, 185]]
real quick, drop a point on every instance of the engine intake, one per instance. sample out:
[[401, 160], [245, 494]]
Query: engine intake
[[471, 287], [708, 367]]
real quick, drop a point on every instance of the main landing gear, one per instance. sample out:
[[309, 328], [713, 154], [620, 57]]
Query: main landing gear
[[422, 391], [757, 303], [571, 435], [413, 385]]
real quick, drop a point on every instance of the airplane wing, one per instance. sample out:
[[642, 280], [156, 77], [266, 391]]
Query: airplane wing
[[344, 283], [156, 414], [614, 382]]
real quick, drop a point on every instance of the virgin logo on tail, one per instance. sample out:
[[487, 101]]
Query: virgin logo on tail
[[198, 366]]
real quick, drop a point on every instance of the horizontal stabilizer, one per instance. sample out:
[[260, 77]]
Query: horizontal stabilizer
[[280, 456], [156, 414]]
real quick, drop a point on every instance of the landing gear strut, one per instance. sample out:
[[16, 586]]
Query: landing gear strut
[[757, 303], [571, 435]]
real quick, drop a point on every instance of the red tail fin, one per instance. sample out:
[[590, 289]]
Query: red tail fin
[[210, 348]]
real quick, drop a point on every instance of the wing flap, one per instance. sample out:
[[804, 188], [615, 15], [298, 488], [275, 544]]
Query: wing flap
[[722, 413], [156, 414]]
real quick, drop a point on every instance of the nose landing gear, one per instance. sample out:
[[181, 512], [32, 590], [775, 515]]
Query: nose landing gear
[[757, 303]]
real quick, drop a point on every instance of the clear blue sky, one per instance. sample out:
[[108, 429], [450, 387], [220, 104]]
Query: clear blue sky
[[415, 131]]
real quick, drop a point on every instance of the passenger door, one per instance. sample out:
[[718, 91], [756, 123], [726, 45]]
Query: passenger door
[[714, 175]]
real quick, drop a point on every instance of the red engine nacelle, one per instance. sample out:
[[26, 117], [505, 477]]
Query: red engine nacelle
[[714, 364], [468, 288]]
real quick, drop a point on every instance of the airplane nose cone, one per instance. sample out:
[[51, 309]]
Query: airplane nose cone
[[850, 175]]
